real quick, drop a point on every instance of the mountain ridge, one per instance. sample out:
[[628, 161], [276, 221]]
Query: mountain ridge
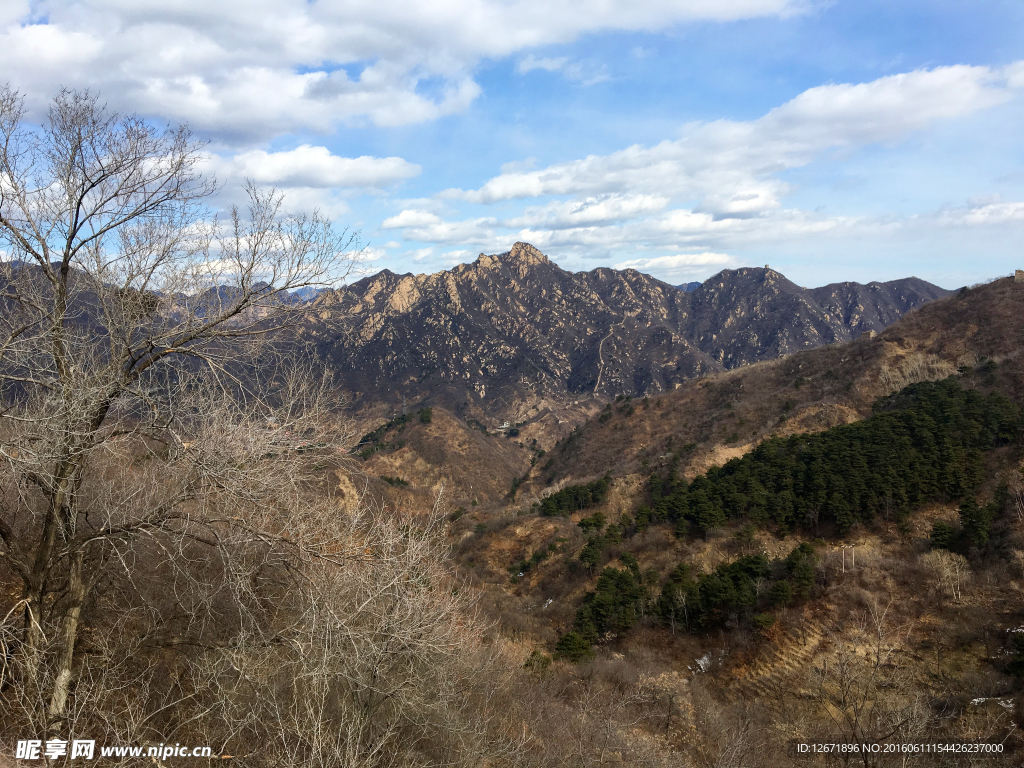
[[512, 333]]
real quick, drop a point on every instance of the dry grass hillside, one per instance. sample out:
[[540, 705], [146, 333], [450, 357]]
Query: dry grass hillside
[[470, 457], [416, 460], [884, 630]]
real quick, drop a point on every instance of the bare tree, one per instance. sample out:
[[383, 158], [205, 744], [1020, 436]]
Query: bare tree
[[185, 573], [950, 571], [124, 307], [865, 691], [726, 737]]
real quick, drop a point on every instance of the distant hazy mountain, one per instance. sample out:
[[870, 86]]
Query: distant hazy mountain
[[690, 287], [513, 331]]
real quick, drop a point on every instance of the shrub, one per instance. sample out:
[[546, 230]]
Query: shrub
[[573, 647], [537, 662], [643, 517], [630, 561], [944, 535], [593, 523], [524, 566], [459, 512]]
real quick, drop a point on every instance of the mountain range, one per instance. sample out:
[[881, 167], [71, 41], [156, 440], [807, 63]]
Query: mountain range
[[512, 333]]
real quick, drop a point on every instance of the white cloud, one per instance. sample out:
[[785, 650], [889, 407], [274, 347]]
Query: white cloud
[[681, 266], [585, 72], [732, 167], [983, 214], [588, 212], [251, 70], [469, 232], [328, 202], [411, 218], [427, 227], [373, 255], [309, 177], [517, 166], [717, 190], [421, 254], [672, 230], [314, 167]]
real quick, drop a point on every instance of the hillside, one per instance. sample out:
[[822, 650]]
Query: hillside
[[408, 462], [899, 616], [708, 421], [513, 334]]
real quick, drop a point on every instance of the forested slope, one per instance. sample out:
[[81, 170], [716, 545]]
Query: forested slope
[[924, 444]]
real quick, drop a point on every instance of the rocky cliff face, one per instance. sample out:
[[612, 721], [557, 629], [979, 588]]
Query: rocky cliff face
[[515, 333], [746, 315]]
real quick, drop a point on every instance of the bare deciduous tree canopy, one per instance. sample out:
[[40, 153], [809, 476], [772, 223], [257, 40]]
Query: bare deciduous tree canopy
[[184, 571]]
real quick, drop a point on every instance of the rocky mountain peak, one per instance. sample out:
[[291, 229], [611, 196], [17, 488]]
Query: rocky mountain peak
[[520, 258], [524, 253], [513, 330]]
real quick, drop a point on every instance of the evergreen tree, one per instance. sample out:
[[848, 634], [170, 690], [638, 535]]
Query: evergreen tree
[[612, 608], [592, 552], [800, 567], [975, 521], [573, 647], [924, 444], [781, 593]]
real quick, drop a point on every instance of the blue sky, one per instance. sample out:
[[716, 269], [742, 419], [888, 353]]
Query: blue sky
[[843, 140]]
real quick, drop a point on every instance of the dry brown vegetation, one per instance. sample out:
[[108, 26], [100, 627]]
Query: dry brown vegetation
[[175, 565], [884, 649], [447, 452], [186, 556]]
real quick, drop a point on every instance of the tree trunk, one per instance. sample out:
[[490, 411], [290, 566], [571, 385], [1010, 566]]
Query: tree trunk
[[68, 637]]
